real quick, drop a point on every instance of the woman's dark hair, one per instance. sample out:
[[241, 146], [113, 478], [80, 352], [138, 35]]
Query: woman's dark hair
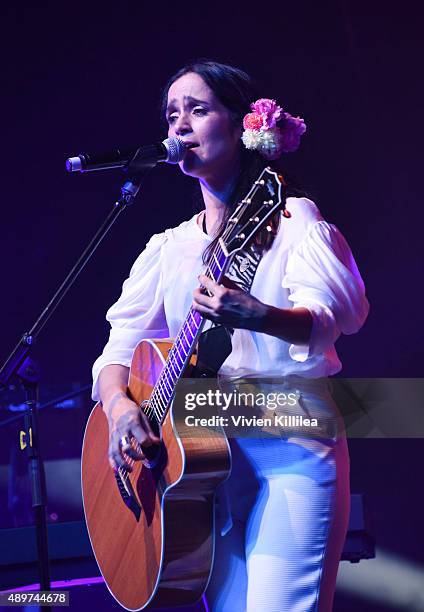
[[236, 90]]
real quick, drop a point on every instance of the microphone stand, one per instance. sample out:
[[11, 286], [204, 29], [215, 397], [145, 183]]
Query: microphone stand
[[19, 365]]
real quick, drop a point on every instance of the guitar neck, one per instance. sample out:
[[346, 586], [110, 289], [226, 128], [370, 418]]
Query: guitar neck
[[184, 343]]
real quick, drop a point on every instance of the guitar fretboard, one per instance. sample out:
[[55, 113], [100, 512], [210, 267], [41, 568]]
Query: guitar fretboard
[[183, 347]]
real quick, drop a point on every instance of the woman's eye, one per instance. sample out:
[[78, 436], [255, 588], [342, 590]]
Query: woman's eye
[[198, 110]]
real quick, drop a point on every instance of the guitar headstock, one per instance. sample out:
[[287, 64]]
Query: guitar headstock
[[253, 213]]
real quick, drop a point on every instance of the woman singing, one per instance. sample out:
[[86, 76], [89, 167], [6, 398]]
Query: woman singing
[[283, 512]]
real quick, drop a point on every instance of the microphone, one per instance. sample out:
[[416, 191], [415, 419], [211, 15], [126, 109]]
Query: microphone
[[171, 150]]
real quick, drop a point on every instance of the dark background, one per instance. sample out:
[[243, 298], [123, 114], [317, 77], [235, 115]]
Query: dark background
[[90, 77], [86, 76]]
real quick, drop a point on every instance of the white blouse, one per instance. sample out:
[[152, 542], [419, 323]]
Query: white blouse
[[309, 264]]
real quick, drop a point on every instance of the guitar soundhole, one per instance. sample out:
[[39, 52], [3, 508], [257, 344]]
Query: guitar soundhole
[[153, 452]]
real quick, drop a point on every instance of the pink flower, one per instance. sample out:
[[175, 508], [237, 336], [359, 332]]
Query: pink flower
[[252, 121], [268, 110], [291, 129]]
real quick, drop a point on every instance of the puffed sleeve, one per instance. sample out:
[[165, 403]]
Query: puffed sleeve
[[322, 275], [139, 311]]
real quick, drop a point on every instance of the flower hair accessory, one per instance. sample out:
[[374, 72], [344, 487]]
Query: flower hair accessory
[[262, 134]]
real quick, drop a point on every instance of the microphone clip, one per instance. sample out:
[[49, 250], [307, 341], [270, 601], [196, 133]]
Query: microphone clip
[[144, 159]]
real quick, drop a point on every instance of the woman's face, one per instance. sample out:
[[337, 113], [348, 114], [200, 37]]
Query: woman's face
[[196, 116]]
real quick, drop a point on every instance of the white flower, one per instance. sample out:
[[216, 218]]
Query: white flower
[[270, 145], [251, 139]]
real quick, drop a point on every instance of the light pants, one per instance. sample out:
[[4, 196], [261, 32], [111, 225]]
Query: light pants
[[289, 500]]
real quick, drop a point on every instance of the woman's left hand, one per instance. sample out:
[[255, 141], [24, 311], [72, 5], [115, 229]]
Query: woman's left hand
[[227, 306]]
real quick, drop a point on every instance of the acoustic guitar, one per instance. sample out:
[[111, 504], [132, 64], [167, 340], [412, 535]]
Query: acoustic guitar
[[152, 528]]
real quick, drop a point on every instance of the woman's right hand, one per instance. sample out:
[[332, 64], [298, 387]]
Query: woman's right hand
[[125, 418]]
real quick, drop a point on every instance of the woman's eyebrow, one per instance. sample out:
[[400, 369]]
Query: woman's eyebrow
[[189, 101], [192, 100]]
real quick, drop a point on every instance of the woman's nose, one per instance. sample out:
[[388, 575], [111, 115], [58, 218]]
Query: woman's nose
[[182, 125]]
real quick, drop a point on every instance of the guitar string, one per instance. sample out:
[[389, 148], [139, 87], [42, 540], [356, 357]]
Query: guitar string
[[213, 266], [210, 269], [150, 411], [172, 358]]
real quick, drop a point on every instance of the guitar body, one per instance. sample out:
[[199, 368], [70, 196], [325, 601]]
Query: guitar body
[[152, 535]]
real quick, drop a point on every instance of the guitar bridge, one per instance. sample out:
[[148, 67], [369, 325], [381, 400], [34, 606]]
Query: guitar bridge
[[127, 493]]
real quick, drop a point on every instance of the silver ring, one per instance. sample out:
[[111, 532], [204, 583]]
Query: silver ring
[[125, 443]]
